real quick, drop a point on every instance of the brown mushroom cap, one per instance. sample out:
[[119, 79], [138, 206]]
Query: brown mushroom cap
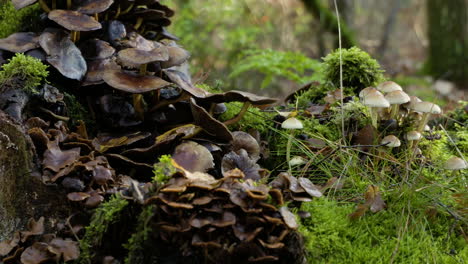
[[133, 57], [94, 6], [132, 82], [177, 56], [193, 157], [239, 96], [18, 4], [63, 54], [20, 42], [73, 20]]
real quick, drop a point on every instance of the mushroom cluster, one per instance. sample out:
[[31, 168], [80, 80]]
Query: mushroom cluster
[[233, 217]]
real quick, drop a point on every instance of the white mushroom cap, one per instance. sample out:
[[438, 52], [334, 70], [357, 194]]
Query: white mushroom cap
[[297, 160], [397, 97], [389, 86], [412, 102], [413, 135], [427, 107], [292, 123], [443, 87], [418, 151], [365, 91], [427, 128], [455, 163], [375, 99], [391, 141]]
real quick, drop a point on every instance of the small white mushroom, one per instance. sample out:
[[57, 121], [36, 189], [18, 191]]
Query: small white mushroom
[[291, 123], [391, 141], [455, 163], [427, 108], [396, 98], [375, 100], [389, 86]]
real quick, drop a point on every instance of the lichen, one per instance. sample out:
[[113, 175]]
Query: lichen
[[360, 70], [23, 71], [106, 214]]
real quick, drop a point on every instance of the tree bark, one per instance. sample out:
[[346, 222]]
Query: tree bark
[[448, 39], [329, 21]]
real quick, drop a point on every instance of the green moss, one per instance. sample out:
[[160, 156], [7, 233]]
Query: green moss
[[106, 214], [137, 243], [393, 234], [254, 118], [359, 69], [163, 170], [25, 71], [13, 20], [76, 112]]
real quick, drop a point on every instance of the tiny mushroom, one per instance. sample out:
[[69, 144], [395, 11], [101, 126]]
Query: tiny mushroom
[[426, 108], [455, 163], [411, 137], [291, 123], [375, 100], [389, 86], [396, 98], [391, 141]]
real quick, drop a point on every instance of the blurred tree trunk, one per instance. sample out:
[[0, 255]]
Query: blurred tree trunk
[[448, 39], [329, 22], [388, 27]]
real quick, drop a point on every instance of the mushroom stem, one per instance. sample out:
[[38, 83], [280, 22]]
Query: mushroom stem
[[138, 105], [117, 13], [127, 9], [143, 68], [75, 36], [239, 116], [44, 6], [423, 122], [288, 151], [96, 16], [138, 22], [69, 4], [374, 116], [394, 111]]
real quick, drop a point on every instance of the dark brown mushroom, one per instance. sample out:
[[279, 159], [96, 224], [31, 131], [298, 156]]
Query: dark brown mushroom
[[20, 42], [37, 253], [91, 7], [183, 81], [96, 69], [209, 124], [65, 249], [243, 140], [133, 57], [309, 187], [241, 161], [132, 82], [96, 49], [34, 228], [177, 56], [193, 157], [63, 54], [74, 20], [55, 159], [18, 4], [6, 246], [288, 217]]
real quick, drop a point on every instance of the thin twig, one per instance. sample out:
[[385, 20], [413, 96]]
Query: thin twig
[[341, 72]]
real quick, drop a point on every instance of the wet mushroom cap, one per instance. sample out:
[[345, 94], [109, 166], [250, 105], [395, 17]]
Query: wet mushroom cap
[[391, 141], [427, 107], [389, 86], [397, 97], [132, 82], [375, 99], [177, 56], [73, 20], [20, 42], [455, 163]]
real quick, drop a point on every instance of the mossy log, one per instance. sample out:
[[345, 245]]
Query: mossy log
[[22, 196]]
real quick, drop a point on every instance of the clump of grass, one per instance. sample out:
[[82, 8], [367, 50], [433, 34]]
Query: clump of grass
[[137, 243], [23, 71]]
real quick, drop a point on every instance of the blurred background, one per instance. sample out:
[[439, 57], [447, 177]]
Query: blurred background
[[275, 46]]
